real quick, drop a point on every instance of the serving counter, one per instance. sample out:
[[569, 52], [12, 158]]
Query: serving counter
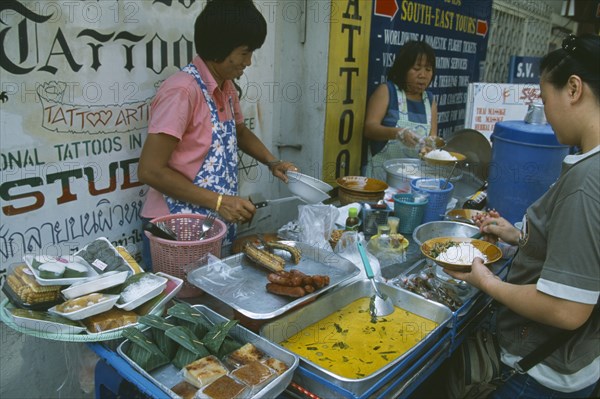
[[400, 380]]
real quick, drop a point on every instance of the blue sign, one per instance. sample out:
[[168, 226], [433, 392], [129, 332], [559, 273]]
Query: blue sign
[[458, 32], [524, 69]]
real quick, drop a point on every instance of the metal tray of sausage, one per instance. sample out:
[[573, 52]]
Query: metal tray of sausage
[[240, 283]]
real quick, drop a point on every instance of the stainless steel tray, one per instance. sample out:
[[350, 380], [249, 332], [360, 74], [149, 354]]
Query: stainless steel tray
[[168, 376], [279, 330], [241, 284]]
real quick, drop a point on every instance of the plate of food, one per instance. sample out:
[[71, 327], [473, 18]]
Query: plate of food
[[44, 321], [84, 306], [58, 270], [457, 253], [443, 157], [140, 288], [95, 284]]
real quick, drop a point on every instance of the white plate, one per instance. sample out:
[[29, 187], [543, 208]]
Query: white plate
[[46, 326], [28, 259], [95, 284], [88, 311], [151, 293]]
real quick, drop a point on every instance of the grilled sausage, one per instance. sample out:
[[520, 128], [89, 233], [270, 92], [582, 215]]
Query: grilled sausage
[[295, 292]]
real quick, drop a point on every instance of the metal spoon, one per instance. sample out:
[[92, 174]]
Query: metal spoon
[[449, 177], [383, 305]]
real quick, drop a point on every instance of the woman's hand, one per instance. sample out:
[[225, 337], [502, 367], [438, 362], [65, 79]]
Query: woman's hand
[[279, 169], [478, 277], [407, 137], [236, 209]]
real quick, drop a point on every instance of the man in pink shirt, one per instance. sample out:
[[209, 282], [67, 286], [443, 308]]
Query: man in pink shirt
[[189, 158]]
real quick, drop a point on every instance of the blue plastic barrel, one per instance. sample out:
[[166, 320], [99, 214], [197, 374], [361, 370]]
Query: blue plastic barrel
[[526, 161]]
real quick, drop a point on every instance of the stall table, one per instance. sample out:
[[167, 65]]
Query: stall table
[[112, 370]]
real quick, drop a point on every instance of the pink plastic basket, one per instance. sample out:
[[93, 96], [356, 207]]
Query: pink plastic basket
[[178, 257]]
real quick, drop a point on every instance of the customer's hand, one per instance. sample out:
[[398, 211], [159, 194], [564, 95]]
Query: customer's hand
[[495, 227], [236, 209], [478, 277], [280, 168]]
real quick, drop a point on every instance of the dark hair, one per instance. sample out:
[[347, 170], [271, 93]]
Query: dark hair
[[406, 58], [224, 25], [578, 56]]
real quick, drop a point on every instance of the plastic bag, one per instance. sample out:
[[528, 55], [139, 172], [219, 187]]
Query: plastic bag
[[230, 280], [346, 248], [388, 249], [317, 222]]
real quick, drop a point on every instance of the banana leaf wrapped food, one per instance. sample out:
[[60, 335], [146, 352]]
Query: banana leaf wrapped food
[[158, 327], [217, 334], [143, 351], [190, 318], [190, 347], [228, 346]]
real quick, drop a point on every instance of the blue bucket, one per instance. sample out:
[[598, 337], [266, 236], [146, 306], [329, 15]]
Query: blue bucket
[[526, 161], [438, 198]]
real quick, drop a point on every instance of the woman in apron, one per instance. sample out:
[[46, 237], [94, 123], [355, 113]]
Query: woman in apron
[[190, 156], [401, 113]]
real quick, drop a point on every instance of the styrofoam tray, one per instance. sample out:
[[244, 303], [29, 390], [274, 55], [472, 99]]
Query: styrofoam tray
[[45, 325], [170, 294], [151, 293], [89, 310], [28, 259], [95, 284]]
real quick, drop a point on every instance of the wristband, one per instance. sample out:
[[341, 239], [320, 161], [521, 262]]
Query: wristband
[[219, 202]]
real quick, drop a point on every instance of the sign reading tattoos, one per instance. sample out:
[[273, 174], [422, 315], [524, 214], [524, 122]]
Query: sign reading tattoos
[[76, 82]]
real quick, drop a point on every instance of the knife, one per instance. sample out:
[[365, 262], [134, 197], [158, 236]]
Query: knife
[[263, 204]]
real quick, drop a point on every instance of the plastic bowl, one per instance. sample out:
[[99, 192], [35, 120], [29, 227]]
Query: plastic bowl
[[306, 179], [492, 252], [436, 229], [307, 188]]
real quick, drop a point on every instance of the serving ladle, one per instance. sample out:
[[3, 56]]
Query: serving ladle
[[381, 305]]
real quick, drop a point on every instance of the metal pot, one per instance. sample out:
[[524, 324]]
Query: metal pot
[[400, 172]]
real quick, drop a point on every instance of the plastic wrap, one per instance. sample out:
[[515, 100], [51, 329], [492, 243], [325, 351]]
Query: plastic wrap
[[317, 222], [346, 248]]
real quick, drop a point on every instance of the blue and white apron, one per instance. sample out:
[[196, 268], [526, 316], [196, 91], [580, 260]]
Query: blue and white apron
[[395, 149], [219, 170]]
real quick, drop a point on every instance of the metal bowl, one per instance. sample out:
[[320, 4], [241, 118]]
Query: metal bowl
[[401, 171], [443, 228]]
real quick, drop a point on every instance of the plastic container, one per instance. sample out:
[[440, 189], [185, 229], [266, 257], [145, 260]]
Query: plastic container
[[372, 216], [438, 197], [526, 161], [173, 257], [408, 211]]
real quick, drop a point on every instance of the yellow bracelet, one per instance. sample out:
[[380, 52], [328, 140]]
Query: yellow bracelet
[[219, 202]]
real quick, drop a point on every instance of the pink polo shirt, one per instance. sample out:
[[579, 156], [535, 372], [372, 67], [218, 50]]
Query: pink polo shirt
[[180, 110]]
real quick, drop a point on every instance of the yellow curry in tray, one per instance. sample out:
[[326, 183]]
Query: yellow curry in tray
[[348, 344]]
